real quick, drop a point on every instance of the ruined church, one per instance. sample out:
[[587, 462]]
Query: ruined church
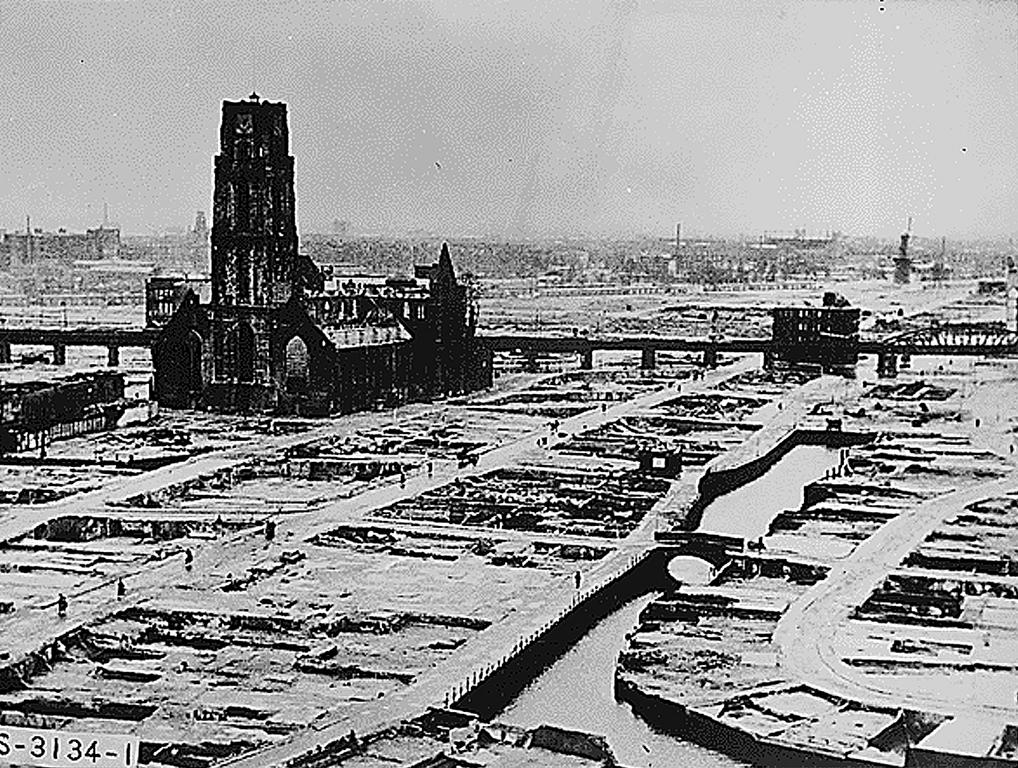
[[282, 335]]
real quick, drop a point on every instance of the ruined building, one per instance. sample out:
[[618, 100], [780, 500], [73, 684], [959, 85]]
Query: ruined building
[[822, 338], [38, 408], [280, 335]]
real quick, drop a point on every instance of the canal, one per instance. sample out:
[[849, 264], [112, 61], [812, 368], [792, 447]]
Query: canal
[[577, 691], [747, 511]]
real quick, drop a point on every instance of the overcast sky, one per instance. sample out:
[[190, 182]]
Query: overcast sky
[[525, 118]]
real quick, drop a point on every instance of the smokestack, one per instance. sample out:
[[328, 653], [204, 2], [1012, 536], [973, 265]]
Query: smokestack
[[678, 236]]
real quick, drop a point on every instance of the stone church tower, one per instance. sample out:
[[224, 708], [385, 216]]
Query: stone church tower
[[277, 337], [254, 232]]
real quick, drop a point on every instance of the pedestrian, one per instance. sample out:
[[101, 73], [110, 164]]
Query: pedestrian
[[61, 605], [270, 529], [121, 589], [431, 468], [578, 578], [188, 558]]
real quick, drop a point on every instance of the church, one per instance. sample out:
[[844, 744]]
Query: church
[[282, 335]]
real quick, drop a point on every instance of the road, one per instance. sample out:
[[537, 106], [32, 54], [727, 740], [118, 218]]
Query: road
[[807, 633]]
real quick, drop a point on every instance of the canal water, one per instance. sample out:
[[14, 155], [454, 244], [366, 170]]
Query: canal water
[[577, 691], [748, 510]]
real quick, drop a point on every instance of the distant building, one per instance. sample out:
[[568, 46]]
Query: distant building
[[34, 246], [1010, 295], [174, 251], [770, 258], [824, 338], [903, 262], [165, 293], [800, 240], [282, 335]]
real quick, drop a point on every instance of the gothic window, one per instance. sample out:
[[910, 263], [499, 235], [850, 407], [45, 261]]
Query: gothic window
[[225, 348], [193, 362], [235, 353], [245, 344], [297, 364], [254, 191], [231, 202]]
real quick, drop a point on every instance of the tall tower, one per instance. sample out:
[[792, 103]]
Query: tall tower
[[903, 262], [254, 231]]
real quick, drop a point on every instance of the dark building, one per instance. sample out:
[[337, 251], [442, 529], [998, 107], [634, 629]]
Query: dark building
[[903, 262], [823, 338], [165, 293], [34, 412], [280, 334]]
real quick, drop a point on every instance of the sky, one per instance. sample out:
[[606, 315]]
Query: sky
[[525, 118]]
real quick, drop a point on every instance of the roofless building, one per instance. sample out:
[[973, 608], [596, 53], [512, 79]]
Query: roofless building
[[280, 335]]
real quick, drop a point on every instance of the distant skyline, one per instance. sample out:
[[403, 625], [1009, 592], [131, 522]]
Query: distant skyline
[[525, 119]]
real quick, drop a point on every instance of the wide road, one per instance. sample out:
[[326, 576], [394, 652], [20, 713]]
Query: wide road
[[807, 632]]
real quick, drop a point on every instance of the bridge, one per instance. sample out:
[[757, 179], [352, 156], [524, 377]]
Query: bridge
[[62, 338], [942, 339], [648, 346], [947, 339]]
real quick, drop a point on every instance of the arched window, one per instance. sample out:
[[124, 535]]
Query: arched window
[[235, 353], [297, 364], [224, 348], [193, 362], [245, 340]]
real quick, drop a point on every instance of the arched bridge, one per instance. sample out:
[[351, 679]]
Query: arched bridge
[[953, 339], [946, 339]]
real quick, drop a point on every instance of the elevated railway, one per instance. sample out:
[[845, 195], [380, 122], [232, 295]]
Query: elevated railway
[[948, 340]]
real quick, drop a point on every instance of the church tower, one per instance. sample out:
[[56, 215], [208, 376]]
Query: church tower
[[254, 231]]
